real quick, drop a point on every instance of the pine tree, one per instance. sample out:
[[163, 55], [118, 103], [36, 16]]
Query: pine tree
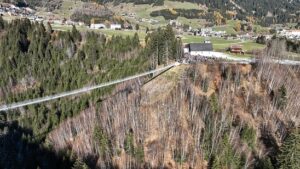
[[129, 143], [135, 40], [79, 165], [102, 140], [76, 34], [137, 27], [49, 28], [289, 156], [282, 98], [2, 23]]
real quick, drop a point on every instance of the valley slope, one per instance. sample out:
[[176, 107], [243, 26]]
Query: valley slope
[[197, 116]]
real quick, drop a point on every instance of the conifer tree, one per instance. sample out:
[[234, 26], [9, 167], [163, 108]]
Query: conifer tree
[[75, 34], [289, 156], [2, 23], [79, 165]]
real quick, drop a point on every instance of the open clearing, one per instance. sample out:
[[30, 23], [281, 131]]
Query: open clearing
[[107, 32], [230, 25], [144, 10], [221, 43], [65, 11]]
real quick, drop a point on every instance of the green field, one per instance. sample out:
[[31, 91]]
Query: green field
[[229, 28], [222, 44], [219, 44], [141, 34], [144, 10], [65, 11], [107, 32]]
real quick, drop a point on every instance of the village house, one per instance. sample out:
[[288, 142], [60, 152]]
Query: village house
[[196, 49], [98, 26], [209, 32], [174, 23], [237, 49], [290, 34], [81, 23], [116, 26]]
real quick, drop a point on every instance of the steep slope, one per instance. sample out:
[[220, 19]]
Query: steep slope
[[199, 116], [266, 11], [49, 4]]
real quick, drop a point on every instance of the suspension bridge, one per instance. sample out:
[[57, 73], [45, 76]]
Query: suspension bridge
[[90, 88], [82, 90]]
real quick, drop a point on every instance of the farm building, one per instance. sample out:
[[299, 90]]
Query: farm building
[[98, 26], [115, 26], [236, 49], [195, 49]]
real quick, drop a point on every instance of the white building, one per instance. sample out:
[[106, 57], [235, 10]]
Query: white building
[[98, 26], [290, 34], [293, 34], [81, 23], [69, 22], [115, 26], [186, 50]]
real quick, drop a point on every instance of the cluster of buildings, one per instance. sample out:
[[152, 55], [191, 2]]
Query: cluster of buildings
[[205, 49], [209, 32], [289, 34], [13, 10], [113, 26], [179, 26], [202, 52], [65, 22], [140, 20]]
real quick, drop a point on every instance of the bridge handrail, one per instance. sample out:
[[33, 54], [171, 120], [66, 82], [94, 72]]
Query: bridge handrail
[[79, 91]]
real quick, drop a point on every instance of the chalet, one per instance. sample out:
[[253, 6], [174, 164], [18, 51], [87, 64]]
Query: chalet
[[290, 34], [98, 26], [116, 26], [81, 23], [174, 23], [238, 49], [196, 49]]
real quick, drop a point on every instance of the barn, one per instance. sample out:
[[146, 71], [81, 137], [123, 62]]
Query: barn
[[196, 49]]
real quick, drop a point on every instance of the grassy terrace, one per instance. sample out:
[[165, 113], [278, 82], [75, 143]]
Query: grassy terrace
[[221, 43], [144, 10], [107, 32], [229, 27], [65, 10]]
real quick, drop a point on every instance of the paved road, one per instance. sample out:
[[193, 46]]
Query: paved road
[[82, 90]]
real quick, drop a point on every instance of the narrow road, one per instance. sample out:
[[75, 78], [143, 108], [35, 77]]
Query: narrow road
[[82, 90]]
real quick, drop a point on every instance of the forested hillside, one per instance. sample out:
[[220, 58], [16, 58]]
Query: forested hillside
[[36, 61], [49, 4], [210, 115], [194, 116], [266, 11]]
